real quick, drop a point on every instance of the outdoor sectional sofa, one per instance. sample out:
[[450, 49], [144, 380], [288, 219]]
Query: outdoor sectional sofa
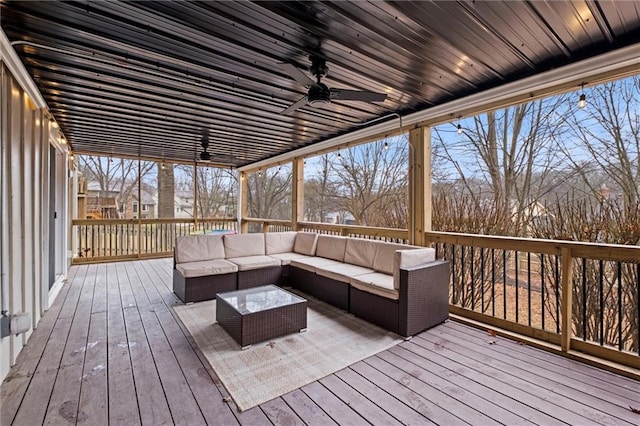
[[398, 287]]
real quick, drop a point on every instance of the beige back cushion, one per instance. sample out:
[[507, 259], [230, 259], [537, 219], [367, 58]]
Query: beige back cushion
[[306, 243], [361, 252], [409, 258], [331, 247], [240, 245], [385, 255], [196, 248], [279, 242]]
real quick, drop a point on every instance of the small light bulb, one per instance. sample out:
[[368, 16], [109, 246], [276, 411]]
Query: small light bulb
[[339, 155], [71, 157], [459, 130], [583, 101], [162, 166], [386, 146]]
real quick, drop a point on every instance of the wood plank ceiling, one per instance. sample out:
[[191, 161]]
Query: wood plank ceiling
[[151, 78]]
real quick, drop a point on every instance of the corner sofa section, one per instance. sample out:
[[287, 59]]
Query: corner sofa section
[[399, 287]]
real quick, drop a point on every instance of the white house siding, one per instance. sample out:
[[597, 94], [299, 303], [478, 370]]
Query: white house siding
[[24, 178]]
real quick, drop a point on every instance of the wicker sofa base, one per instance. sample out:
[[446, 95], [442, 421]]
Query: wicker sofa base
[[333, 292], [302, 280], [197, 289], [375, 309], [259, 277]]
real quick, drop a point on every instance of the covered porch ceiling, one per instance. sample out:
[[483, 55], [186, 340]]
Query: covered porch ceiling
[[152, 79]]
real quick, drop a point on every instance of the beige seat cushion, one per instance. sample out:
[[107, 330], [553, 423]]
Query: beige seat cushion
[[205, 268], [286, 258], [409, 258], [311, 263], [331, 247], [376, 283], [241, 245], [361, 252], [279, 242], [196, 248], [385, 256], [248, 263], [342, 272], [306, 243]]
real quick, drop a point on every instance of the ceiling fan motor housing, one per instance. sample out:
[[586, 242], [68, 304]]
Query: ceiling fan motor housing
[[318, 94]]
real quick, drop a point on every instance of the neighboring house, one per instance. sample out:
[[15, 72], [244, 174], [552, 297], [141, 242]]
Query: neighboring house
[[342, 218], [110, 204]]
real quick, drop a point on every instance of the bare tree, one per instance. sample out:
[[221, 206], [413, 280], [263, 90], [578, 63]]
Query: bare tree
[[320, 191], [607, 132], [269, 194], [216, 191], [369, 176], [511, 151]]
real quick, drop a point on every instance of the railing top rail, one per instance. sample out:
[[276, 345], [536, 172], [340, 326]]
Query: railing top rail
[[147, 221], [268, 221], [600, 251]]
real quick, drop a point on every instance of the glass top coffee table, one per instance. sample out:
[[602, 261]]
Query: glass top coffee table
[[260, 313]]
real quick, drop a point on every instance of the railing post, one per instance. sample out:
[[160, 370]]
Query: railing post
[[139, 210], [567, 299], [419, 184], [297, 193], [243, 204]]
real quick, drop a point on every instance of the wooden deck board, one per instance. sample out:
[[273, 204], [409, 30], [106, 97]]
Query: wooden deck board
[[111, 349]]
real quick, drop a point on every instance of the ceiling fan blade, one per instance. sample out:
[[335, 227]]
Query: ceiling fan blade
[[298, 104], [357, 95], [297, 74]]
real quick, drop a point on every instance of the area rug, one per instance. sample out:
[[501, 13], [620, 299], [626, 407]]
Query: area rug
[[333, 340]]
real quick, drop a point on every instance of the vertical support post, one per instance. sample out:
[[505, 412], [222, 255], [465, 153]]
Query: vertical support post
[[419, 185], [297, 193], [195, 194], [265, 227], [567, 299], [243, 205], [139, 209]]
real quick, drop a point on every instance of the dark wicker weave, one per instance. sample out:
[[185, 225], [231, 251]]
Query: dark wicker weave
[[423, 301], [334, 292], [375, 309], [424, 297], [259, 277], [302, 280], [197, 289], [254, 327]]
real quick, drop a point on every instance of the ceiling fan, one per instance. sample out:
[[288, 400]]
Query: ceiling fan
[[205, 155], [318, 92]]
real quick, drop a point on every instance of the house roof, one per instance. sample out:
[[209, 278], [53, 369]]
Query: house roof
[[151, 78]]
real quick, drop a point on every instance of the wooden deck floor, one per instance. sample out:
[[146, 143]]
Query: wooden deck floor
[[111, 350]]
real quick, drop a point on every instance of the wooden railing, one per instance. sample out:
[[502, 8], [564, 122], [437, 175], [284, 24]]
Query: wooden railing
[[579, 296], [120, 239]]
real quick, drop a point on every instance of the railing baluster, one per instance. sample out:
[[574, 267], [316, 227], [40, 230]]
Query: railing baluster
[[584, 299], [453, 273], [462, 278], [542, 301], [601, 300], [529, 288], [638, 302], [482, 278], [473, 286], [557, 272], [620, 345], [504, 283], [493, 283], [517, 267]]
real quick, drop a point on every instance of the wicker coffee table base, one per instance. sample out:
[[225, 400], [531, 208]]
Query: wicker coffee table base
[[247, 329]]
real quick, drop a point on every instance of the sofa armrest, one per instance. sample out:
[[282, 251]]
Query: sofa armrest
[[424, 296]]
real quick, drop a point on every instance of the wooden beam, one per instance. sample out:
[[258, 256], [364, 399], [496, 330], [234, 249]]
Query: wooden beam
[[243, 201], [567, 298], [419, 185], [297, 192]]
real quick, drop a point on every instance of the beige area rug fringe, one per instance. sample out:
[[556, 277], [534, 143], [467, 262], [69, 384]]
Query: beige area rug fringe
[[333, 341]]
